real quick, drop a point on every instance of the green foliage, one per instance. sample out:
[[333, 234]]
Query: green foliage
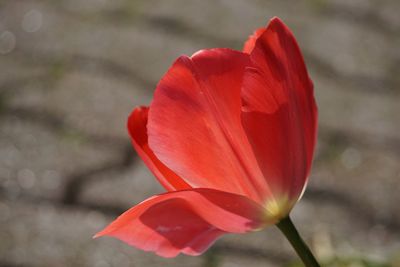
[[212, 258], [57, 70], [73, 137]]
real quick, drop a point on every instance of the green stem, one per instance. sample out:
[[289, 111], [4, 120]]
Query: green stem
[[289, 230]]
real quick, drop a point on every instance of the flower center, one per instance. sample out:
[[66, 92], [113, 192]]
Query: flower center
[[277, 208]]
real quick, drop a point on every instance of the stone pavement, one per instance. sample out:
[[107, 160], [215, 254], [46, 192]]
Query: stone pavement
[[72, 70]]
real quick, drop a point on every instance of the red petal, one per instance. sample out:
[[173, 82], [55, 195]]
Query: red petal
[[195, 127], [280, 114], [251, 41], [137, 128], [184, 221]]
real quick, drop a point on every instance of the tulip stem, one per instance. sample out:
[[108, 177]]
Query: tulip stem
[[289, 230]]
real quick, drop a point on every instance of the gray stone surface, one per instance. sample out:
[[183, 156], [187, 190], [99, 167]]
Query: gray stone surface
[[72, 70]]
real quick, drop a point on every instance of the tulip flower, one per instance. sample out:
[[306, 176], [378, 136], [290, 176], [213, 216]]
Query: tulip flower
[[230, 135]]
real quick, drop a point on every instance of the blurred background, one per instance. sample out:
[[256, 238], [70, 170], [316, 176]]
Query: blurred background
[[72, 70]]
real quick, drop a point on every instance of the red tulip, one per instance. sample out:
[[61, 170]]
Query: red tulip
[[230, 135]]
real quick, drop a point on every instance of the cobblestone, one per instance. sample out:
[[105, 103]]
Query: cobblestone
[[71, 72]]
